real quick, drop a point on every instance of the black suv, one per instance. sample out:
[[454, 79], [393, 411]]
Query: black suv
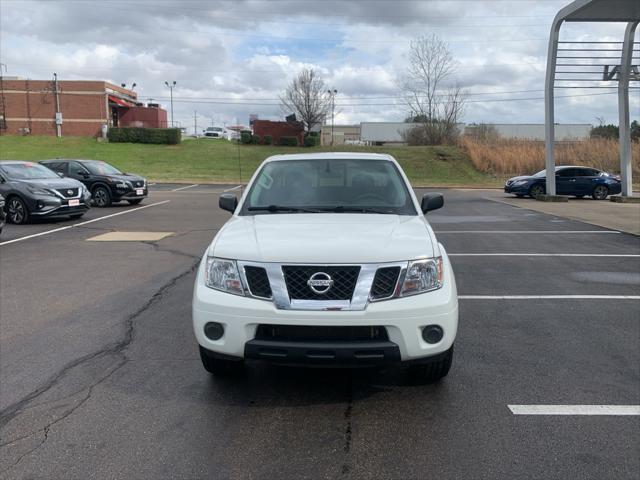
[[31, 191], [106, 183]]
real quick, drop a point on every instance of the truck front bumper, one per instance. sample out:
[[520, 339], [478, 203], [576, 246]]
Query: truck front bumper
[[402, 318]]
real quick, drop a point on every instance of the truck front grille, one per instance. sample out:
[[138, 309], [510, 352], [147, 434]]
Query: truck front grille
[[344, 281], [384, 283], [258, 281], [304, 333]]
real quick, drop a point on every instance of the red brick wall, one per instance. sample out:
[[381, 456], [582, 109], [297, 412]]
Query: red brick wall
[[278, 129], [30, 104], [142, 117]]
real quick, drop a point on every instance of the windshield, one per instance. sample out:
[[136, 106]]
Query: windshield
[[340, 185], [101, 168], [27, 171]]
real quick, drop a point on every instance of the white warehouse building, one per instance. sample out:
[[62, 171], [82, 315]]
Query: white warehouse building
[[391, 132]]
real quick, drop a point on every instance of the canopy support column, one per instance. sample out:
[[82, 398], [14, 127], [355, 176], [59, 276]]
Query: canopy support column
[[549, 117], [623, 109]]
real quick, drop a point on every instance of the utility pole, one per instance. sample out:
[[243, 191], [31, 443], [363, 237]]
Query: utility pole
[[58, 114], [195, 123], [332, 93], [3, 107], [171, 86]]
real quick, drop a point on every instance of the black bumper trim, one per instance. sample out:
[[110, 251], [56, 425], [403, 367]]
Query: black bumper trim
[[331, 354]]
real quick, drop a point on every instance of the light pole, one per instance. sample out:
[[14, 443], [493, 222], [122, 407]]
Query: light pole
[[332, 93], [171, 86]]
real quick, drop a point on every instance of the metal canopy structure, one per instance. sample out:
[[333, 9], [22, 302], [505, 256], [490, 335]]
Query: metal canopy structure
[[593, 11]]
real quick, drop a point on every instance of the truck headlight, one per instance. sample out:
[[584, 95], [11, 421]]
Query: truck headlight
[[423, 276], [223, 275], [518, 183]]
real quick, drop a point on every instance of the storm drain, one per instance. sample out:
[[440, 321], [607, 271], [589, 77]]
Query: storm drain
[[130, 237]]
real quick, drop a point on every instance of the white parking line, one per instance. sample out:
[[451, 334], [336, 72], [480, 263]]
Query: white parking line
[[590, 255], [527, 231], [232, 189], [548, 297], [184, 188], [575, 409], [47, 232]]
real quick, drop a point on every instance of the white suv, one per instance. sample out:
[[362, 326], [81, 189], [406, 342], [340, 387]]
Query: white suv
[[327, 260]]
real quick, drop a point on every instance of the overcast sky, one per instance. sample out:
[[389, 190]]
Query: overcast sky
[[233, 58]]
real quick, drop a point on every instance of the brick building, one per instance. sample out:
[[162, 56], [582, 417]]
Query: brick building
[[29, 107], [278, 129]]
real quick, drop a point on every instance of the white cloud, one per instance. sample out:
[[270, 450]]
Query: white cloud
[[248, 50]]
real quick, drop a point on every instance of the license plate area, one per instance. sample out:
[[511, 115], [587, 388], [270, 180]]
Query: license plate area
[[139, 191], [74, 202]]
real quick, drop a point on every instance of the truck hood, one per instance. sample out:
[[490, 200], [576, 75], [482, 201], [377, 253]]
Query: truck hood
[[324, 238]]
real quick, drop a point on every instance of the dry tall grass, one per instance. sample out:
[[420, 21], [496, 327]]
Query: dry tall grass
[[511, 157]]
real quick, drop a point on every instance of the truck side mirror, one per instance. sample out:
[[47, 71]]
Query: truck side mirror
[[228, 202], [431, 201]]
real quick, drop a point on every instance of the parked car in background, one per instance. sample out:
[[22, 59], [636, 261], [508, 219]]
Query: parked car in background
[[31, 191], [214, 132], [570, 180], [106, 183], [327, 260], [2, 214]]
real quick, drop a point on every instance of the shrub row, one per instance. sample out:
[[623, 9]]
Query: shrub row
[[310, 140], [169, 136]]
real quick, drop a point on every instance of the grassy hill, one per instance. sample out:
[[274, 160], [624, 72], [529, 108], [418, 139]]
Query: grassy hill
[[206, 160]]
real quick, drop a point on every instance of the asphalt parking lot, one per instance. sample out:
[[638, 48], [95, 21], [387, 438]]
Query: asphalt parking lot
[[100, 375]]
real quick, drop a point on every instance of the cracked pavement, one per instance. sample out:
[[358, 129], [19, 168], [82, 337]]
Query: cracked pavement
[[100, 375]]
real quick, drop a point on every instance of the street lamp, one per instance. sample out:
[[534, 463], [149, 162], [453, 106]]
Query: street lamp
[[332, 94], [171, 86]]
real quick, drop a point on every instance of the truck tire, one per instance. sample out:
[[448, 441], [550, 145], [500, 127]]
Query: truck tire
[[433, 371], [219, 366]]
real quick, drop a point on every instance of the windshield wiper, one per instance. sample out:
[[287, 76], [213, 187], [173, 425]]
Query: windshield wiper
[[342, 208], [282, 208]]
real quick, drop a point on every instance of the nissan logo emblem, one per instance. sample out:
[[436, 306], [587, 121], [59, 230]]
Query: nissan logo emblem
[[320, 283], [69, 192]]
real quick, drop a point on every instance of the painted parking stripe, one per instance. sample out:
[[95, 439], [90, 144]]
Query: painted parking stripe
[[590, 255], [232, 189], [527, 231], [548, 297], [575, 409], [184, 188], [47, 232]]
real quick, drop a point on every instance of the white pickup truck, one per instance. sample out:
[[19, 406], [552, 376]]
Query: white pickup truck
[[327, 260]]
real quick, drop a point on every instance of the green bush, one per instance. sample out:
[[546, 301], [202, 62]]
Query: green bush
[[311, 140], [169, 136], [289, 141], [267, 140], [314, 134], [255, 139], [245, 136]]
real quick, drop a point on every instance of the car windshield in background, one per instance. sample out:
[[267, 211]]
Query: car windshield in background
[[27, 171], [332, 185], [101, 168]]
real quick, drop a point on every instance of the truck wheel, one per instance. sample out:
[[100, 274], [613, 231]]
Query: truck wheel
[[433, 371], [220, 366]]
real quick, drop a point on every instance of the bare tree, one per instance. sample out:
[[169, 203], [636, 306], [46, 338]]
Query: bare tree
[[430, 96], [307, 97]]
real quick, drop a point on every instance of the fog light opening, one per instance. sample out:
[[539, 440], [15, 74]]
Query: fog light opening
[[213, 330], [432, 333]]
